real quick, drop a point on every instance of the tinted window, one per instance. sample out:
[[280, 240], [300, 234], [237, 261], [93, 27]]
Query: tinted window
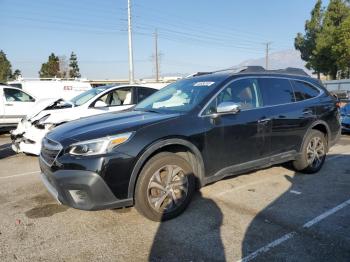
[[304, 90], [276, 91], [143, 92], [16, 85], [14, 95], [245, 92]]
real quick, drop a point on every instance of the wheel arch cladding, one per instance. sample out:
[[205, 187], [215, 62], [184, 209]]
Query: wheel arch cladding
[[321, 126], [180, 146]]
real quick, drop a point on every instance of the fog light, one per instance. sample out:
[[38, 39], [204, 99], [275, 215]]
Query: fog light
[[79, 196]]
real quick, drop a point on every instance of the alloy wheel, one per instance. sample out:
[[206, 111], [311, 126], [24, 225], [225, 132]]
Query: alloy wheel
[[315, 152], [167, 189]]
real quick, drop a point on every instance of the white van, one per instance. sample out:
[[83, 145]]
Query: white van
[[52, 87], [14, 105]]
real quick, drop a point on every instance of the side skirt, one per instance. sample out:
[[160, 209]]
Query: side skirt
[[252, 165]]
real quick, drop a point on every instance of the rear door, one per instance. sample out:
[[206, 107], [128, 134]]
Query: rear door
[[17, 104], [289, 118]]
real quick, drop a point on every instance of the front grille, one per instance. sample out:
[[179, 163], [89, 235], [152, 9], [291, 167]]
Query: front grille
[[49, 150]]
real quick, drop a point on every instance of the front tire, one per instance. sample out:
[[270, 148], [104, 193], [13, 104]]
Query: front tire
[[165, 187], [313, 153]]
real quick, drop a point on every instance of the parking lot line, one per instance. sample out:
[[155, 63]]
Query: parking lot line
[[18, 175], [290, 235]]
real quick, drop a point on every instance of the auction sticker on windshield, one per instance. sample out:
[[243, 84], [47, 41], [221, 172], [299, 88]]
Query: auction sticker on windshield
[[203, 83]]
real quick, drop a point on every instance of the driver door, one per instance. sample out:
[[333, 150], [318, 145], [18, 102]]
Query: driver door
[[236, 140], [17, 104]]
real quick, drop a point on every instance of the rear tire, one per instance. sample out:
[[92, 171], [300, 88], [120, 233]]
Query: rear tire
[[313, 153], [165, 187]]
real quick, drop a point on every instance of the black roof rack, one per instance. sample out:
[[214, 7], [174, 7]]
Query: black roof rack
[[257, 69]]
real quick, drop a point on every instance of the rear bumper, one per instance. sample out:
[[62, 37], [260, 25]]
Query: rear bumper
[[80, 189]]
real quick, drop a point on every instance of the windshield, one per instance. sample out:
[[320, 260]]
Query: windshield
[[86, 96], [181, 96]]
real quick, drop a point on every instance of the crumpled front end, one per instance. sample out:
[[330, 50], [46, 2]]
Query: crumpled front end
[[27, 138]]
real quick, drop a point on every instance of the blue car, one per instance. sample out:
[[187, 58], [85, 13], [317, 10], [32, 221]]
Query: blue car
[[345, 117]]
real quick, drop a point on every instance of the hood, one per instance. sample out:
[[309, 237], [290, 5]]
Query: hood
[[40, 105], [345, 119], [105, 125]]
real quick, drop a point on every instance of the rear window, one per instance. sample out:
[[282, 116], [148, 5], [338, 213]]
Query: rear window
[[276, 91], [304, 90]]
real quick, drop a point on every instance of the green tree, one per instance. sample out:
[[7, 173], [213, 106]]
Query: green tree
[[51, 68], [16, 74], [73, 66], [306, 44], [342, 49], [5, 67], [327, 44]]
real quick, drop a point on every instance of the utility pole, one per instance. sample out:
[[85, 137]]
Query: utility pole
[[131, 58], [156, 54], [267, 55]]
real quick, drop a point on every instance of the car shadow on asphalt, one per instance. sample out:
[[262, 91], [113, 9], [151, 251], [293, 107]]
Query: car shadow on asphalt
[[6, 151], [196, 234], [308, 196], [193, 236]]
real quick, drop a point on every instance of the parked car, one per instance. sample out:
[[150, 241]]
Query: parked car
[[43, 88], [345, 117], [50, 113], [342, 95], [193, 132], [14, 105]]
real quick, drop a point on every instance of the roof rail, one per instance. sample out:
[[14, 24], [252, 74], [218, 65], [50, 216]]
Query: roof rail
[[290, 70], [256, 69]]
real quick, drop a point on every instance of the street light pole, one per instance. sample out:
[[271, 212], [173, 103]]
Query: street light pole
[[131, 58]]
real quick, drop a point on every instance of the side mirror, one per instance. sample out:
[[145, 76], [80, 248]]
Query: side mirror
[[100, 104], [228, 108]]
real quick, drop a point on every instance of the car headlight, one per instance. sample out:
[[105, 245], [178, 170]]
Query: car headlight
[[49, 126], [43, 119], [98, 146], [41, 122]]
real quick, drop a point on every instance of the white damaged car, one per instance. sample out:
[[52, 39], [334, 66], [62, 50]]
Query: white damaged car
[[49, 113]]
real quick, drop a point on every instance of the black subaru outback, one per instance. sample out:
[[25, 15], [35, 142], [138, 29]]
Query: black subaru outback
[[191, 133]]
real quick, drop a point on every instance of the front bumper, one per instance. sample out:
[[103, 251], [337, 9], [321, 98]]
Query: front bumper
[[80, 189], [28, 140]]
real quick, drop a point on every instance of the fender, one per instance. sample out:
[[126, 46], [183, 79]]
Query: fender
[[156, 146], [318, 122]]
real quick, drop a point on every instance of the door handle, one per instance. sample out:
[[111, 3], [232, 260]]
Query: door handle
[[8, 104], [264, 120], [308, 112]]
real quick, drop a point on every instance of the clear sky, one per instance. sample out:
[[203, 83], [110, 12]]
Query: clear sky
[[194, 35]]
